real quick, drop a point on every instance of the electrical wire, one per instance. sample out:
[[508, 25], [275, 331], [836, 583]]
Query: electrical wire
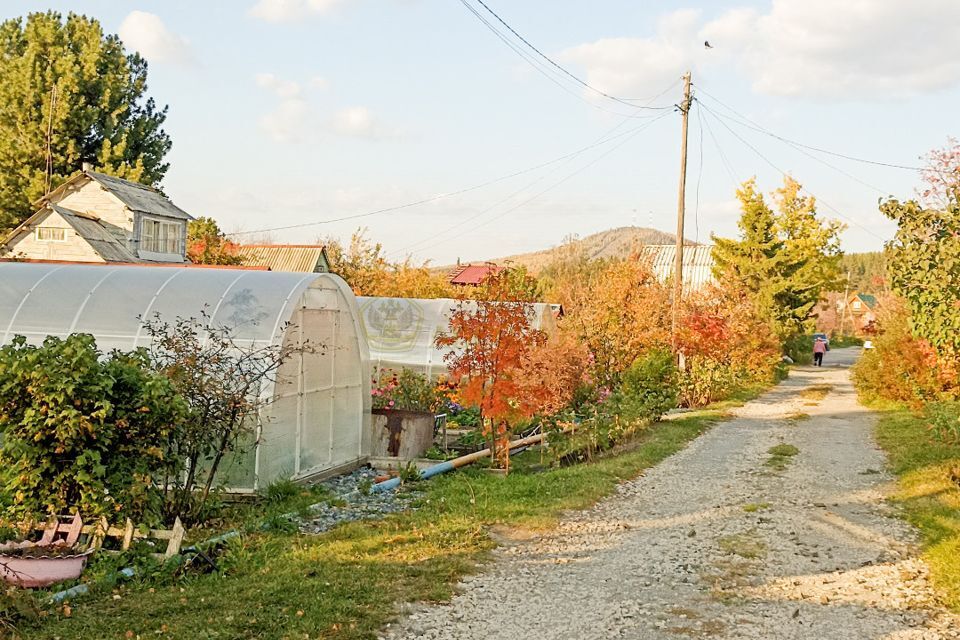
[[696, 210], [569, 176], [605, 139], [756, 127], [561, 68], [542, 69], [786, 175]]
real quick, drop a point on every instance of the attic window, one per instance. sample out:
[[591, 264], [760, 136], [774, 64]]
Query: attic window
[[160, 237], [51, 234], [856, 305]]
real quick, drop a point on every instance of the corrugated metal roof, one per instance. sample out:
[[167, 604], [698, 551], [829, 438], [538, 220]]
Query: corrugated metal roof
[[697, 263], [97, 236], [139, 197], [299, 258], [472, 274]]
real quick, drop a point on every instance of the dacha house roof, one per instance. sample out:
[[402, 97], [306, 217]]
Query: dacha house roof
[[88, 227], [867, 299], [697, 263], [300, 258], [135, 196], [472, 274]]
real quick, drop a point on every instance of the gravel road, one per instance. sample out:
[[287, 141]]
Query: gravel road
[[716, 543]]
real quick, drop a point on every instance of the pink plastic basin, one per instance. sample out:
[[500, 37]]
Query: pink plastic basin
[[42, 571]]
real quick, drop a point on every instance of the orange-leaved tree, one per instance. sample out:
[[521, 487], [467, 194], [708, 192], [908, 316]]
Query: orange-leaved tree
[[490, 340], [619, 311], [207, 244]]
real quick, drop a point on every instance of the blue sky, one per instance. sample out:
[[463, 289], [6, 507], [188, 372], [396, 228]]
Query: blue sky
[[286, 112]]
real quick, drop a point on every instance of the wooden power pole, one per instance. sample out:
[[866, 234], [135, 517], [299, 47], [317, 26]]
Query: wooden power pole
[[681, 208]]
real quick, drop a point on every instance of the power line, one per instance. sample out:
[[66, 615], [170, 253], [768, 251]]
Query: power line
[[561, 68], [756, 127], [569, 176], [786, 175], [540, 68], [696, 211], [605, 139]]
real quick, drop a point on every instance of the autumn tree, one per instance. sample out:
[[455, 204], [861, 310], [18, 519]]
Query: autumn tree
[[207, 244], [784, 260], [941, 176], [490, 341], [72, 94], [619, 311], [367, 270]]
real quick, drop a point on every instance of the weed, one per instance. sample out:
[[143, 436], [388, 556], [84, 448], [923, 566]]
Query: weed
[[365, 486], [281, 491], [780, 456], [409, 472], [798, 417], [753, 507], [746, 545]]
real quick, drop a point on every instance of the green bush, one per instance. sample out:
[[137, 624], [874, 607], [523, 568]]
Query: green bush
[[944, 420], [705, 380], [406, 390], [799, 348], [648, 389], [83, 431]]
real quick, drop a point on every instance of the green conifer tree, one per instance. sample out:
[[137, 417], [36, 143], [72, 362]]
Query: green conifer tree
[[73, 94]]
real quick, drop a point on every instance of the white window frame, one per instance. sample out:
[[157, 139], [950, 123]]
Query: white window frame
[[170, 243], [62, 238]]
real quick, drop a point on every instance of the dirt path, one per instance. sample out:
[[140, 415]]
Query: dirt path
[[717, 543]]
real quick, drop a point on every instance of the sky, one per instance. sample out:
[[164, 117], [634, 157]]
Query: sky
[[288, 116]]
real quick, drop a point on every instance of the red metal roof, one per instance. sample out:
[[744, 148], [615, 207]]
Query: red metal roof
[[472, 274]]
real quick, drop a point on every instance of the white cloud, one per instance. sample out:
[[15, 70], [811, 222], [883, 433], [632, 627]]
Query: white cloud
[[290, 121], [147, 34], [283, 88], [851, 49], [640, 67], [806, 48], [291, 10], [361, 122]]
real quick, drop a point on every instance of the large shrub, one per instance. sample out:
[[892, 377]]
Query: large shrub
[[83, 431], [648, 388], [900, 366]]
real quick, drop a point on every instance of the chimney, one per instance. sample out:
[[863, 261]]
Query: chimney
[[87, 167]]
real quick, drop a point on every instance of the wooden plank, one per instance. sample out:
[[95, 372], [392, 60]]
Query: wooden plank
[[127, 535], [173, 548]]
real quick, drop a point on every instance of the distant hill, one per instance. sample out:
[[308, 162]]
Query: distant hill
[[613, 243]]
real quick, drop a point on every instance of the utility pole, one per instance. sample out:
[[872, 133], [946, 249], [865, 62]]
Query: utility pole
[[681, 208]]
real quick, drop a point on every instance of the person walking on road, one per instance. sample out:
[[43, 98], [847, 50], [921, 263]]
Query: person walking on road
[[819, 348]]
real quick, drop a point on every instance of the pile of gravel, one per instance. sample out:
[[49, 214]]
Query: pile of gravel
[[348, 503]]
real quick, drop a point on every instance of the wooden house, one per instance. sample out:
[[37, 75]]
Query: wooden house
[[94, 217]]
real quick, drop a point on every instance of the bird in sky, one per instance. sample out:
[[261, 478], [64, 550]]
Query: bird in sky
[[707, 45]]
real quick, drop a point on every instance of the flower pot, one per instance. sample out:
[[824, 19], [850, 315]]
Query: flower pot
[[41, 571]]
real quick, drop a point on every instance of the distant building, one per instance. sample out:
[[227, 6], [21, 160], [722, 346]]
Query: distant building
[[302, 258], [93, 217], [472, 275], [697, 263], [860, 310]]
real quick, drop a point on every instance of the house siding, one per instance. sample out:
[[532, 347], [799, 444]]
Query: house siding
[[92, 199], [74, 248]]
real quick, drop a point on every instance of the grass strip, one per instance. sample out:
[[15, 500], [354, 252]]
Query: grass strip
[[928, 472], [346, 584]]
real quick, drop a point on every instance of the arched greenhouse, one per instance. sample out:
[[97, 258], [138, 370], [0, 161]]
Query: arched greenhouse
[[317, 420]]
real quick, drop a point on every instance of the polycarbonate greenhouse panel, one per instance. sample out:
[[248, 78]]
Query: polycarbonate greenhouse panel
[[401, 332], [319, 408]]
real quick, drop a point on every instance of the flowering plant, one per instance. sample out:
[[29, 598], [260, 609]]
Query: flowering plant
[[405, 390]]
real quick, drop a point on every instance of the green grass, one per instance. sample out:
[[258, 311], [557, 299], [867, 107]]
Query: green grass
[[928, 474], [780, 456], [346, 584], [746, 545], [753, 507]]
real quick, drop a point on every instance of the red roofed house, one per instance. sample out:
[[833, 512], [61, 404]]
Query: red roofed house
[[472, 274]]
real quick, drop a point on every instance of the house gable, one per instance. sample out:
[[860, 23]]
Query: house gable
[[48, 235]]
